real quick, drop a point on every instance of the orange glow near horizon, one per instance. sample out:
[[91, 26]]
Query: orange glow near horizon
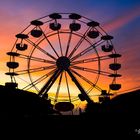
[[128, 47]]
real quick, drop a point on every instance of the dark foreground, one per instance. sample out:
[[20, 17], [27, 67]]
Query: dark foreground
[[25, 114], [94, 126]]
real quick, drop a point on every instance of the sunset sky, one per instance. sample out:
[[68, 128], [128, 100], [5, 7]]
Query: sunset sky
[[120, 18]]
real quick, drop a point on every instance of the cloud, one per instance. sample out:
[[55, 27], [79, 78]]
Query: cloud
[[122, 20]]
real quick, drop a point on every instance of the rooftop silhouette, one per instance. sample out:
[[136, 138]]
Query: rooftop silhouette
[[121, 114], [23, 103]]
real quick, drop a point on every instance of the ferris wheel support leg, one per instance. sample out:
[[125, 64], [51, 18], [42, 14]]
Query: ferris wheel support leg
[[49, 83], [83, 92]]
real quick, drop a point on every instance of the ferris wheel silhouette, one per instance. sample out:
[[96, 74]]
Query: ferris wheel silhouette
[[64, 57]]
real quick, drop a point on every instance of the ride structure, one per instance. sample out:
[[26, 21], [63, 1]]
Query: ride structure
[[64, 57]]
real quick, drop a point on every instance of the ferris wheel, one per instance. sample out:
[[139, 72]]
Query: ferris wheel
[[64, 57]]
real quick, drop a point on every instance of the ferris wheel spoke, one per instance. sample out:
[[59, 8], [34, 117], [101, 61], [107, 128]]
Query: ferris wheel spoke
[[81, 89], [50, 82], [49, 42], [78, 43], [67, 87], [68, 44], [36, 59], [60, 43], [92, 70], [37, 81], [94, 59], [87, 80], [14, 45], [26, 28], [85, 51], [35, 70], [39, 48], [58, 88]]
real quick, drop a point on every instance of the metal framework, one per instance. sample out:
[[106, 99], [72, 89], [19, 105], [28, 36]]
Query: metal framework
[[66, 57]]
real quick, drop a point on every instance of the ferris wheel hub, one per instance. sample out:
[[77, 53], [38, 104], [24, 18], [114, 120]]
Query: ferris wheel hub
[[63, 63]]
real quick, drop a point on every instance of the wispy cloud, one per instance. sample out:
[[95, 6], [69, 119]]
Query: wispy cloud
[[122, 20]]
